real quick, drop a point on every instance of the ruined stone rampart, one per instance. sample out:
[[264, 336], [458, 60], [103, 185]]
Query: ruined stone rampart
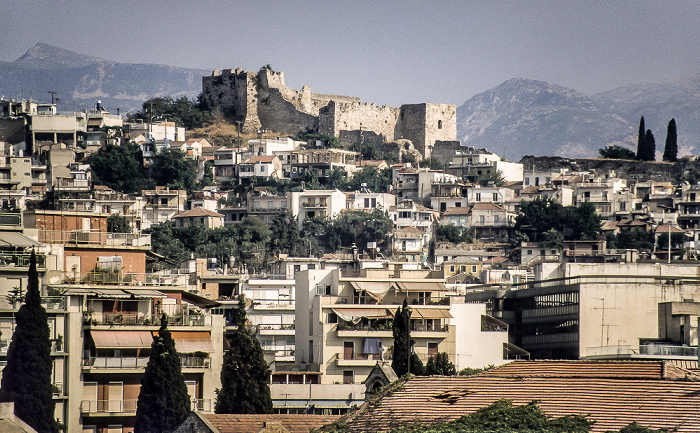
[[262, 100]]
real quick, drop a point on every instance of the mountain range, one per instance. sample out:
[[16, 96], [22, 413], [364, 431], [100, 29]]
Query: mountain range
[[527, 117], [519, 117], [80, 80]]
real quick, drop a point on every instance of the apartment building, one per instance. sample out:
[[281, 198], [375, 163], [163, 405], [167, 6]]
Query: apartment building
[[316, 203], [573, 310], [161, 204]]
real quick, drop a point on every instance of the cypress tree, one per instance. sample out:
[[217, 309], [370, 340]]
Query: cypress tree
[[245, 374], [26, 380], [163, 400], [640, 140], [671, 148], [403, 343], [650, 146]]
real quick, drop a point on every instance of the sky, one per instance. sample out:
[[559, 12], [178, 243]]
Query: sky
[[385, 52]]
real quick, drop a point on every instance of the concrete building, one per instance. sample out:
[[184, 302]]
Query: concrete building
[[262, 167], [161, 204], [316, 203], [572, 310]]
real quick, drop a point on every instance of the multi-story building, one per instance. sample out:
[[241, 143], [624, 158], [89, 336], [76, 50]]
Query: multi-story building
[[161, 205], [490, 221], [226, 160], [416, 183], [445, 195], [316, 203], [324, 161], [599, 192], [473, 163], [574, 310], [350, 314], [263, 167]]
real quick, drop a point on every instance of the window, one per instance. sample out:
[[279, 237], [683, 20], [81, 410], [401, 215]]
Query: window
[[452, 268], [423, 298], [495, 196], [332, 318], [163, 201], [439, 124], [432, 349], [312, 266], [366, 203], [297, 268], [348, 377], [348, 350], [473, 269], [458, 204], [495, 219], [482, 219], [478, 196]]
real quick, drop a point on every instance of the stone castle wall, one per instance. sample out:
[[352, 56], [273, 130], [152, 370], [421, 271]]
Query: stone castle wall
[[262, 100]]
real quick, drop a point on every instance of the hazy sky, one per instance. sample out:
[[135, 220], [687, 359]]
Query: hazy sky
[[387, 52]]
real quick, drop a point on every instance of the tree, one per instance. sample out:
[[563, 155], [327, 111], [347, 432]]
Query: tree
[[118, 224], [440, 365], [170, 168], [375, 180], [119, 167], [671, 148], [245, 373], [285, 236], [451, 233], [616, 152], [163, 401], [541, 215], [649, 146], [403, 344], [26, 379], [492, 176], [641, 147], [181, 111]]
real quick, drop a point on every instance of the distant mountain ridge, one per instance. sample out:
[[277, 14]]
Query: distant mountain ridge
[[79, 80], [529, 117]]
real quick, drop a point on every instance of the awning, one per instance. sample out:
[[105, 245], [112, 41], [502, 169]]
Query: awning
[[111, 293], [191, 342], [376, 289], [145, 293], [355, 314], [122, 339], [17, 240], [429, 313], [421, 286]]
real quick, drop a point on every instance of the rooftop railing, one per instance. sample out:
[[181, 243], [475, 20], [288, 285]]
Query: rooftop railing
[[91, 237], [105, 277]]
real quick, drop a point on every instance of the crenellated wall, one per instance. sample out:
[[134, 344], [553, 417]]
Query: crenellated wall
[[262, 100]]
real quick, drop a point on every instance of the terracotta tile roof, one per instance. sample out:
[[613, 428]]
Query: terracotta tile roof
[[235, 423], [198, 212], [530, 190], [255, 159], [456, 211], [613, 393], [610, 225], [664, 229], [487, 206], [408, 232]]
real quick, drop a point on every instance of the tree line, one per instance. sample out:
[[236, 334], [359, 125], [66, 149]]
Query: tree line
[[646, 145]]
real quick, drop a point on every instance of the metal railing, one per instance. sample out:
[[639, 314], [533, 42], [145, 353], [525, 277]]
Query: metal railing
[[124, 278], [663, 350], [21, 259], [10, 219], [92, 237], [133, 362], [137, 319], [108, 406]]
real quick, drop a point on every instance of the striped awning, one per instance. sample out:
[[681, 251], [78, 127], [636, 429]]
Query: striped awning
[[191, 342], [429, 313], [121, 339], [355, 314], [421, 286]]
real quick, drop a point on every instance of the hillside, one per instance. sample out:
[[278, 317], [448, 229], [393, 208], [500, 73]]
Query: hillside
[[79, 80]]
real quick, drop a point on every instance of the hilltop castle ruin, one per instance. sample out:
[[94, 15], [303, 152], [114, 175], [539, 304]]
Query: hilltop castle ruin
[[261, 100]]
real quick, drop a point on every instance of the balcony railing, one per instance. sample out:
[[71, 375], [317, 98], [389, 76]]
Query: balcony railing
[[124, 278], [138, 319], [21, 259], [91, 237], [133, 362], [10, 219], [129, 406], [663, 350]]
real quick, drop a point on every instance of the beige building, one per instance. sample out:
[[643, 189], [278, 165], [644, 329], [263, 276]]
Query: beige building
[[350, 315]]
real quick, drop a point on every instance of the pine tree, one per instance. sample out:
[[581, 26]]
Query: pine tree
[[641, 148], [163, 401], [403, 343], [650, 146], [26, 380], [671, 148], [245, 374]]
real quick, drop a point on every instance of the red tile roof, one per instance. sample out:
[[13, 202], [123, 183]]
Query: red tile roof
[[613, 393], [255, 159], [456, 211], [487, 206], [301, 423], [198, 212]]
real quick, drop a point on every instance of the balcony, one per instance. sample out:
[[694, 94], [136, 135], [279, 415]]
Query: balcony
[[90, 237], [128, 407], [110, 364], [123, 278], [346, 329], [10, 219], [273, 305], [313, 204], [21, 260], [548, 312], [73, 184], [139, 319], [275, 329], [361, 359]]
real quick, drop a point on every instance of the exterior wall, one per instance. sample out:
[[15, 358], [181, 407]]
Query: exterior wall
[[133, 260], [475, 348], [262, 100]]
